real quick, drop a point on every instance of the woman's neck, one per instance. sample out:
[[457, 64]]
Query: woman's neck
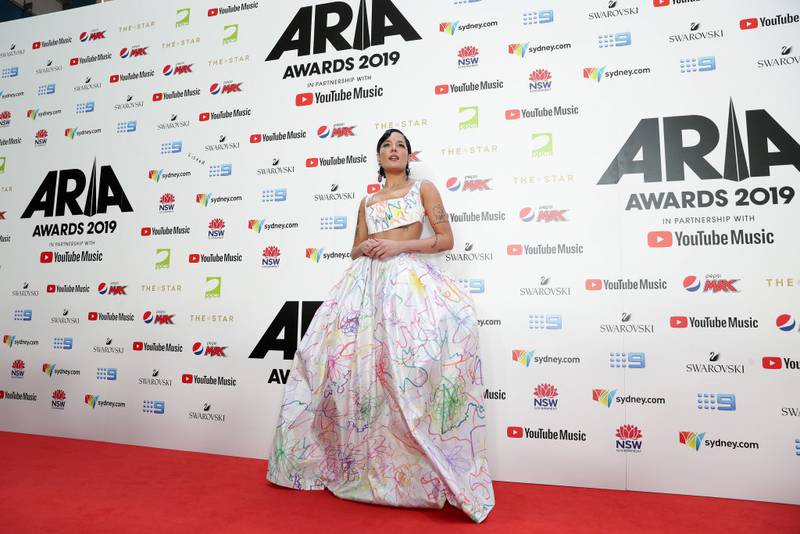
[[394, 181]]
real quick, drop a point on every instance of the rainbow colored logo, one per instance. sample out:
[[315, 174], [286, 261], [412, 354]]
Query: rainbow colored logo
[[32, 113], [8, 340], [91, 400], [155, 174], [518, 49], [48, 368], [691, 439], [604, 396], [204, 199], [448, 27], [593, 73], [522, 356], [314, 254], [256, 225], [70, 132]]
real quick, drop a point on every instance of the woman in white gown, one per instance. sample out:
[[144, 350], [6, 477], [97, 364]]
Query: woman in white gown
[[384, 403]]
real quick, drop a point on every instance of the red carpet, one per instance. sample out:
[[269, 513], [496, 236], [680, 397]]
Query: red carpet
[[67, 485]]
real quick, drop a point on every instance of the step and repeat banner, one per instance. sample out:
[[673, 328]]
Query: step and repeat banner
[[179, 183]]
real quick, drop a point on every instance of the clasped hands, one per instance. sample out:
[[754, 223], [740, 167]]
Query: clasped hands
[[381, 248]]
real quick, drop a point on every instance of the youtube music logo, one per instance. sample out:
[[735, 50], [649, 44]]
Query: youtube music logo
[[679, 321], [771, 362], [748, 24], [194, 258], [514, 432], [659, 239], [594, 284], [187, 379], [514, 250], [304, 99], [46, 257], [442, 89], [92, 316], [138, 345], [205, 116], [146, 231], [312, 162], [512, 114]]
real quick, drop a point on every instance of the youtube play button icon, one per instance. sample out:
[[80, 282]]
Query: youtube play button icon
[[304, 99], [442, 89], [594, 284], [514, 432], [679, 321], [771, 362], [312, 162], [659, 239]]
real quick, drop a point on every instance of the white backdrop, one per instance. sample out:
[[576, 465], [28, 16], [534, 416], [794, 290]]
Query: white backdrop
[[235, 194]]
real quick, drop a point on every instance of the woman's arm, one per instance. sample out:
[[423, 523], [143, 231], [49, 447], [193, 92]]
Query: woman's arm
[[442, 238], [361, 232]]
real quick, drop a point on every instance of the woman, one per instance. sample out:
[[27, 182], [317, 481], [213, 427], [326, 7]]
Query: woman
[[384, 400]]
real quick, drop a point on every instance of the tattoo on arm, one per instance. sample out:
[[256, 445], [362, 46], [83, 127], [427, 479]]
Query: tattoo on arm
[[435, 240], [439, 215]]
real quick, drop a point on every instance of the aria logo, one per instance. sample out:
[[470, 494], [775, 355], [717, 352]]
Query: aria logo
[[60, 191], [762, 132], [386, 20], [163, 256]]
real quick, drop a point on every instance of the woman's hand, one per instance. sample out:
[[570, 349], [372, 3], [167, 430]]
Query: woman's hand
[[385, 248], [367, 246]]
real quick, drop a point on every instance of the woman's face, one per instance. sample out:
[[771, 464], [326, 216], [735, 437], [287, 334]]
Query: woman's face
[[393, 154]]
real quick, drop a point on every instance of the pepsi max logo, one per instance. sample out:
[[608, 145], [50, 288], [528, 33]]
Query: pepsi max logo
[[197, 349], [785, 322], [691, 283], [453, 184], [323, 132], [527, 214], [157, 318]]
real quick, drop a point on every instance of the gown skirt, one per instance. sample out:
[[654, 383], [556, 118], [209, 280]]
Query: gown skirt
[[384, 401]]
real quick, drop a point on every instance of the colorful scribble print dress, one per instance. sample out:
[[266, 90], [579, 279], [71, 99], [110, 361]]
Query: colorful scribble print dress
[[384, 402]]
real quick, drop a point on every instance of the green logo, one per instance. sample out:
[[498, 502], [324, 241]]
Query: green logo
[[183, 15], [471, 121], [233, 36], [164, 262], [543, 143], [216, 290], [2, 164]]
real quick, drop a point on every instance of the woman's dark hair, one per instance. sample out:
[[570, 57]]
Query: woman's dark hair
[[383, 138]]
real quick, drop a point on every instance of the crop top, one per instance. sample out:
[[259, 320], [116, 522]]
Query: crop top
[[394, 212]]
